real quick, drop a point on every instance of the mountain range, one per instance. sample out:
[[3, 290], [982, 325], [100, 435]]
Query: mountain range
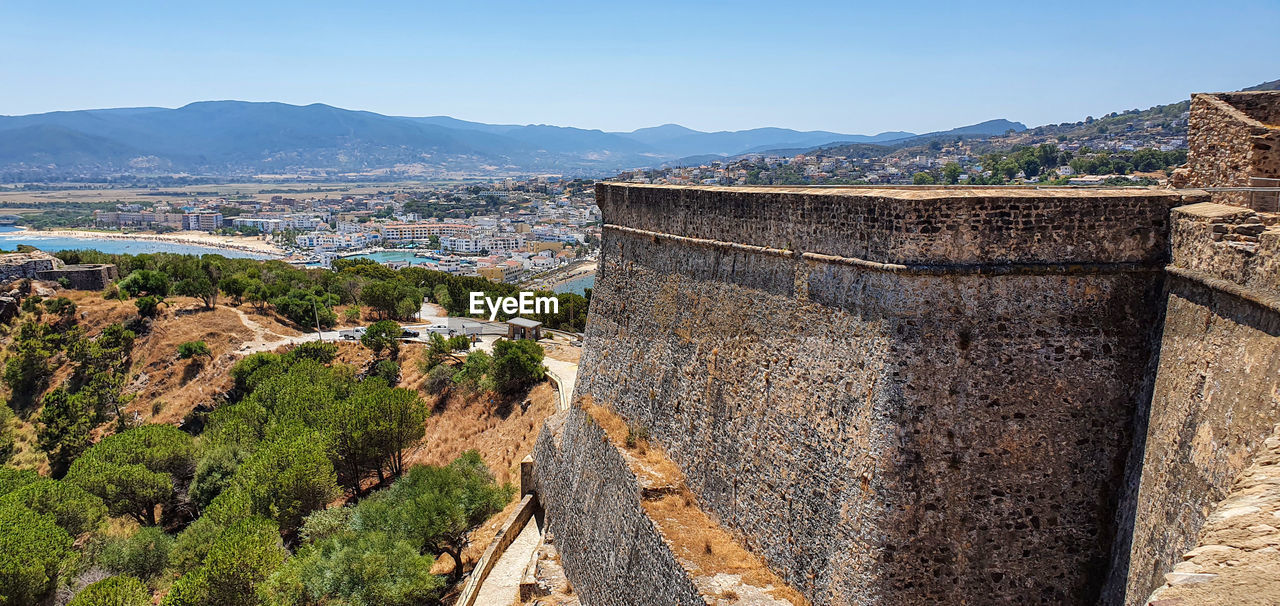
[[238, 138]]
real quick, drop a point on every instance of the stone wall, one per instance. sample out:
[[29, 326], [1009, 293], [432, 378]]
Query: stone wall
[[82, 277], [26, 265], [893, 396], [614, 554], [1217, 391], [1234, 141]]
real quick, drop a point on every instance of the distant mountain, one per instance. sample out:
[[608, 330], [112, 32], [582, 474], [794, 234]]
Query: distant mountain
[[238, 138], [1272, 85]]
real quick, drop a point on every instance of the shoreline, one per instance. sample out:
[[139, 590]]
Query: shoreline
[[571, 273], [239, 243]]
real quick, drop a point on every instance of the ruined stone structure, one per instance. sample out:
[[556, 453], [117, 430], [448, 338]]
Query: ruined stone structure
[[82, 277], [39, 265], [26, 265], [1235, 144], [918, 395]]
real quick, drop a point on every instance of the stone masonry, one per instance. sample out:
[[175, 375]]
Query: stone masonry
[[943, 395], [894, 396], [1234, 141]]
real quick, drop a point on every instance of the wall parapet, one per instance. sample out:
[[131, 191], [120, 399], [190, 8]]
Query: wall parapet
[[939, 226]]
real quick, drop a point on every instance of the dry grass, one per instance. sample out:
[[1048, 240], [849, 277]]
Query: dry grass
[[697, 540]]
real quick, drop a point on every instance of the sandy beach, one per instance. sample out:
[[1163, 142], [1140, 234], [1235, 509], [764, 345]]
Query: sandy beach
[[241, 243], [567, 274]]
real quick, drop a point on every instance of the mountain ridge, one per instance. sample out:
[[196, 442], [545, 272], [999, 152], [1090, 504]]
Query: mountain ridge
[[229, 137]]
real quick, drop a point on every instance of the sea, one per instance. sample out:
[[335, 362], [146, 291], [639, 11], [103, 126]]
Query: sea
[[11, 237]]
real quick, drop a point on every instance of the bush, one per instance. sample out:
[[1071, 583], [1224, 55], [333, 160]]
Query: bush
[[388, 371], [383, 336], [517, 365], [439, 378], [148, 306], [115, 591], [192, 349], [31, 547], [319, 351], [143, 555], [71, 508], [61, 306]]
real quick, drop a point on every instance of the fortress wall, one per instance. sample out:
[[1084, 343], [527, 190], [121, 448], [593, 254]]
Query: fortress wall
[[592, 502], [946, 415], [1234, 137], [1217, 391], [907, 225]]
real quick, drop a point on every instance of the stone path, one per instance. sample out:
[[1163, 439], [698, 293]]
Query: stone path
[[502, 586]]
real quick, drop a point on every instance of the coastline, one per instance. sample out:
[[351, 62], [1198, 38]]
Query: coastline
[[195, 238], [569, 274]]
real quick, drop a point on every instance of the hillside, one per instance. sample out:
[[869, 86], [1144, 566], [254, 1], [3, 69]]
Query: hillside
[[236, 138], [237, 452]]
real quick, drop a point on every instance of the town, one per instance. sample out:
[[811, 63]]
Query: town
[[507, 231], [1135, 147]]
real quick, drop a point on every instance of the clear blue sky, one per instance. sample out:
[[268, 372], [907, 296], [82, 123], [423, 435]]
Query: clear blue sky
[[855, 67]]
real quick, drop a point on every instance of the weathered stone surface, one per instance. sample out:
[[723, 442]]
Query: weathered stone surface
[[26, 265], [592, 502], [1234, 141], [82, 277], [1217, 391], [904, 435]]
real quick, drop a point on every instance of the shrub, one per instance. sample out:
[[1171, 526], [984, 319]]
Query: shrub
[[517, 365], [192, 349], [319, 351], [352, 314], [31, 547], [71, 508], [115, 591], [439, 378], [61, 306], [143, 555], [388, 371], [148, 306]]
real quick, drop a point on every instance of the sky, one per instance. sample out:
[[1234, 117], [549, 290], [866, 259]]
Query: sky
[[852, 67]]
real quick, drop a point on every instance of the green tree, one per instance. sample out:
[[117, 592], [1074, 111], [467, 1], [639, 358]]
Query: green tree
[[383, 336], [62, 430], [71, 508], [288, 479], [436, 508], [145, 282], [517, 365], [31, 547], [136, 471], [27, 371], [238, 561], [115, 591], [951, 173], [923, 178], [235, 287]]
